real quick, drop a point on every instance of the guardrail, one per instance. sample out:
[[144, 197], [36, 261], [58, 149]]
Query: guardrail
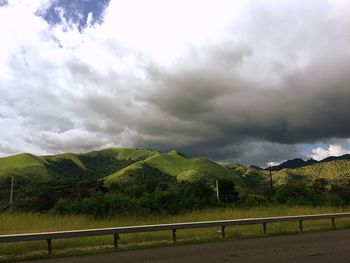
[[49, 236]]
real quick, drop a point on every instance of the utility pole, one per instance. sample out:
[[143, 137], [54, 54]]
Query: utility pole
[[271, 182], [217, 191], [11, 192]]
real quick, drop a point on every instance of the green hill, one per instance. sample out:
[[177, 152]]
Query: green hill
[[113, 164], [332, 170], [64, 157], [123, 154], [92, 164], [244, 170], [102, 163], [124, 164], [177, 165], [25, 165], [125, 178]]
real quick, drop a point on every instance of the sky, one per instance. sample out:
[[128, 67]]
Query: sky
[[248, 81]]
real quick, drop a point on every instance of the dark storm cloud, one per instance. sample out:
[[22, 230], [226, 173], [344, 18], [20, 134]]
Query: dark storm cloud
[[309, 105], [220, 114]]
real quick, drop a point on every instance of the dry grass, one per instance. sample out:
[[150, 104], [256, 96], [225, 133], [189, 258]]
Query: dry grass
[[28, 222]]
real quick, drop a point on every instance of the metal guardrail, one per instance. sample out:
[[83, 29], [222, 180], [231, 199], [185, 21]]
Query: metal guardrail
[[116, 231]]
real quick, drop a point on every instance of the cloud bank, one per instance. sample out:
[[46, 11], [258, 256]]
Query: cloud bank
[[334, 150], [247, 81]]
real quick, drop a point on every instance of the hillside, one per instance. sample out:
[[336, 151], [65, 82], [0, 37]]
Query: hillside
[[291, 164], [113, 164], [245, 170], [122, 154], [330, 170], [298, 163], [41, 181], [177, 165], [94, 164], [65, 157], [24, 166], [123, 164], [130, 180]]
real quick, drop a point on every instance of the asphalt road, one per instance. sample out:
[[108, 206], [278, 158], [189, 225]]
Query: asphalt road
[[332, 246]]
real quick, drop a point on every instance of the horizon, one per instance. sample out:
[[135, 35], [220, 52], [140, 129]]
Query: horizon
[[251, 82], [191, 157]]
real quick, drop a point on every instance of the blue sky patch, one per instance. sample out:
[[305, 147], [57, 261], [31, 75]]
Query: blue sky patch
[[76, 12], [3, 2]]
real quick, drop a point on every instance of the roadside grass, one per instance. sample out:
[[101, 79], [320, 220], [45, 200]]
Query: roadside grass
[[12, 223]]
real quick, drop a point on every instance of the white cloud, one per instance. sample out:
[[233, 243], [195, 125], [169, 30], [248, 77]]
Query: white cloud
[[164, 28], [333, 150], [160, 74], [70, 141]]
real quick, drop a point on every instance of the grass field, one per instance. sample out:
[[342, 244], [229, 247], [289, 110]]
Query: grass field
[[26, 223]]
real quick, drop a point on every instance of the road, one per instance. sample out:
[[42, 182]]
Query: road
[[331, 246]]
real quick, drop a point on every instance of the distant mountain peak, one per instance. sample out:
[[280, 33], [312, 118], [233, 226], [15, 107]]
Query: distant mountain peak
[[298, 162], [291, 164]]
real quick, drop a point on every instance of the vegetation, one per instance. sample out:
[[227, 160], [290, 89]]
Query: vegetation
[[141, 178], [142, 200], [332, 170], [140, 181], [180, 167], [24, 166], [116, 187], [32, 222]]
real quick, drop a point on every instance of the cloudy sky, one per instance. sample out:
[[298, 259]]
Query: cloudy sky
[[250, 81]]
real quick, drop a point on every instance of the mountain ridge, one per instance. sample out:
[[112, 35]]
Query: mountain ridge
[[110, 163], [40, 181], [298, 162]]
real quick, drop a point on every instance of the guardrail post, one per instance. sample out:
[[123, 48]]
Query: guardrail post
[[333, 222], [223, 232], [301, 225], [116, 238], [174, 235], [49, 246], [264, 228]]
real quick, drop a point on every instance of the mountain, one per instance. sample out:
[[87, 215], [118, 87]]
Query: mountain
[[25, 165], [298, 163], [177, 165], [111, 165], [243, 170], [144, 177], [291, 164], [121, 164], [330, 170], [334, 158], [129, 165]]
